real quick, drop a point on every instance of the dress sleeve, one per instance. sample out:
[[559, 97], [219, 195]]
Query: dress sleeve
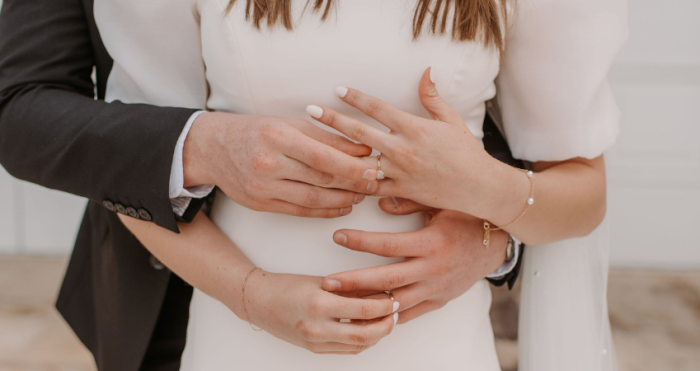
[[554, 98]]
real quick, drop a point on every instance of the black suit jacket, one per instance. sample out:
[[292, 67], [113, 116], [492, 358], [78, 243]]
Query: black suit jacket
[[56, 131]]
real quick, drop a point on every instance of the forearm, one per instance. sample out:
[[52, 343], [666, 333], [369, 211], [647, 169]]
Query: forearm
[[569, 200], [200, 254]]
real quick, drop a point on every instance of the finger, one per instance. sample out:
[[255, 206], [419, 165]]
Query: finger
[[354, 129], [392, 117], [419, 310], [351, 308], [349, 333], [314, 197], [304, 173], [405, 244], [334, 140], [431, 100], [385, 277], [284, 207], [327, 159], [385, 163], [402, 206], [337, 348]]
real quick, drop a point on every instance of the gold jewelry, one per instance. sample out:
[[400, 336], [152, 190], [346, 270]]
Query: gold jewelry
[[247, 317], [390, 295], [380, 173], [530, 200]]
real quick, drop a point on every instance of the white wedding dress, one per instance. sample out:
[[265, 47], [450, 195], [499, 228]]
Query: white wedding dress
[[191, 53]]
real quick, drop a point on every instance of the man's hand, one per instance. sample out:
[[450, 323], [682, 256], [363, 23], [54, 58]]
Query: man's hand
[[443, 260], [280, 165]]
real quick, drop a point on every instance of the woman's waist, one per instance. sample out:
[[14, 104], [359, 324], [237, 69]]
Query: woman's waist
[[289, 244]]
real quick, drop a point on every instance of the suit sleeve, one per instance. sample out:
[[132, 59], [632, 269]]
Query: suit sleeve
[[53, 132]]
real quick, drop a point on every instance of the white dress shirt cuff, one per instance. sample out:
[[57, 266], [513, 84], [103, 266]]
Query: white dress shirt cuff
[[179, 195], [508, 266]]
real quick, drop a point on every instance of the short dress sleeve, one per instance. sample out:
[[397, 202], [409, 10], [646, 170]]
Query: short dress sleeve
[[554, 98]]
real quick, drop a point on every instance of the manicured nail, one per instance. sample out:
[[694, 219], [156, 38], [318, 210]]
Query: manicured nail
[[332, 285], [395, 201], [369, 174], [314, 111], [345, 211], [341, 91], [432, 77], [396, 318], [340, 238], [396, 307], [358, 198], [370, 186]]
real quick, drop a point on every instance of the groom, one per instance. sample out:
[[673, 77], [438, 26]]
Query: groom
[[138, 160]]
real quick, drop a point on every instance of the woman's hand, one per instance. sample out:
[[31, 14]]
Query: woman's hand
[[442, 260], [436, 162], [295, 309]]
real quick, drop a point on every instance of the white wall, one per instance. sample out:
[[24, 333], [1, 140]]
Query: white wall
[[654, 171]]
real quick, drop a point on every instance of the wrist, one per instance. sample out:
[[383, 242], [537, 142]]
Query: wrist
[[507, 192], [194, 152]]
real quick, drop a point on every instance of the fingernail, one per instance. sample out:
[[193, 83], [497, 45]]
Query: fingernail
[[396, 307], [345, 210], [358, 198], [314, 111], [370, 186], [395, 201], [332, 285], [340, 238], [396, 318], [341, 91], [369, 174], [432, 77]]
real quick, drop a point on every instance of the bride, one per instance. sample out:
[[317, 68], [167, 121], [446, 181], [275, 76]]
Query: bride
[[336, 60]]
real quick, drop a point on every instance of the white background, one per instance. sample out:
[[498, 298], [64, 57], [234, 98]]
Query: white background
[[654, 170]]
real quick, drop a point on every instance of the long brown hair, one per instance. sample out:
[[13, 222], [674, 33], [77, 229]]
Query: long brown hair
[[471, 19]]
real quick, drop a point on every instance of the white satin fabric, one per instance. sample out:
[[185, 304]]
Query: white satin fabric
[[554, 105]]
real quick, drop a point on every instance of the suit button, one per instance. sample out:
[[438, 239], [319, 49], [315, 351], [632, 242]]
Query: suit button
[[108, 205], [132, 212], [120, 208], [145, 215], [156, 264]]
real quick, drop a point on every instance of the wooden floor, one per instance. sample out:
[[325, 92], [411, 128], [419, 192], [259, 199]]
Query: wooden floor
[[655, 318]]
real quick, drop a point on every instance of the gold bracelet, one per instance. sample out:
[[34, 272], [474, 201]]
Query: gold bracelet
[[530, 200], [247, 317]]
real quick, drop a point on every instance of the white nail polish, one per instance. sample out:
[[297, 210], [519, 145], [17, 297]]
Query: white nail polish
[[396, 307], [432, 76], [314, 111], [396, 318], [341, 91]]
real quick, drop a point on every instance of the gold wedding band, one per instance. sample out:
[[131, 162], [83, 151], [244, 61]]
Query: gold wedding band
[[380, 173], [390, 295]]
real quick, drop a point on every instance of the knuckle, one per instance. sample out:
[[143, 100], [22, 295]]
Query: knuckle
[[312, 198], [367, 310], [326, 178], [360, 348], [319, 159], [272, 133], [263, 162], [391, 247], [394, 280], [302, 211], [310, 333], [374, 106], [362, 337], [359, 132]]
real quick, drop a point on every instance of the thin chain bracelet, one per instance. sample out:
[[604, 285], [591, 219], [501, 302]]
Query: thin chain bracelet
[[247, 317], [530, 200]]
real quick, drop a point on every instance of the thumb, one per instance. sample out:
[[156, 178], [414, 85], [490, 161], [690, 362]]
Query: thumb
[[431, 100]]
